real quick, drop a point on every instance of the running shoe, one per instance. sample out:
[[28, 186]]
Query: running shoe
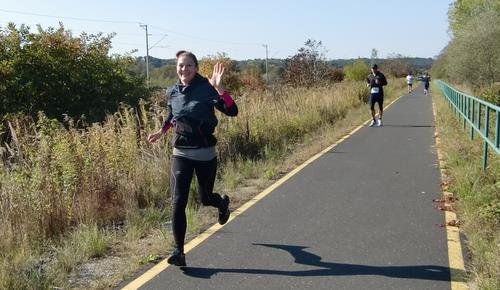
[[177, 258], [224, 210], [372, 123], [379, 123]]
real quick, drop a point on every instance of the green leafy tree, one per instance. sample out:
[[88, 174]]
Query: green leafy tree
[[52, 71], [472, 57], [439, 67], [474, 53], [357, 71], [461, 11]]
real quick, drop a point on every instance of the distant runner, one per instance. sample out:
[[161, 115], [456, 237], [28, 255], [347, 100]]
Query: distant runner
[[409, 81], [426, 79], [376, 81], [191, 102]]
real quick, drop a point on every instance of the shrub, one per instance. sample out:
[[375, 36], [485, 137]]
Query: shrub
[[55, 72], [491, 94], [358, 71]]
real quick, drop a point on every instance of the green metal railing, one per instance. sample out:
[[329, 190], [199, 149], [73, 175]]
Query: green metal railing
[[476, 113]]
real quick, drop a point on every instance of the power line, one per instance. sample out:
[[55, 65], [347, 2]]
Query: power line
[[178, 34], [158, 41], [201, 38], [128, 22], [127, 43], [120, 21], [72, 18]]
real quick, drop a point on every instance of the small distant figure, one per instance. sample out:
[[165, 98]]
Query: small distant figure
[[426, 78], [409, 80], [376, 81]]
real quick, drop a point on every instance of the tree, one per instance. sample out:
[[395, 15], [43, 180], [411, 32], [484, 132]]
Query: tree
[[52, 71], [439, 67], [308, 67], [397, 65], [472, 56], [461, 11], [474, 53]]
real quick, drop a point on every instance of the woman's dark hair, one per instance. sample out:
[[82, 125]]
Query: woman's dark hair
[[188, 54]]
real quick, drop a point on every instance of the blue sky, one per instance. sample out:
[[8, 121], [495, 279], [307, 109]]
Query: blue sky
[[347, 29]]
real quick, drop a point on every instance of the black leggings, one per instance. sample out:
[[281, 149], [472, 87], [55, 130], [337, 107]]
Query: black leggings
[[180, 180]]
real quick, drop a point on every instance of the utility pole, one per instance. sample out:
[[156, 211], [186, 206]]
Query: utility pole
[[267, 73], [145, 26]]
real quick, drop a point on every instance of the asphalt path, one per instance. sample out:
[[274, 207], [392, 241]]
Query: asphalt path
[[359, 217]]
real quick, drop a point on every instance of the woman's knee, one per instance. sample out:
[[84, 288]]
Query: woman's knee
[[179, 201]]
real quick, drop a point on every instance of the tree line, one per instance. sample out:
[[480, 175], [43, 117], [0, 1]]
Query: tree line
[[301, 68], [472, 57]]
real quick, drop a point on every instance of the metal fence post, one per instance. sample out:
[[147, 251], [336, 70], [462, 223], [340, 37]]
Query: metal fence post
[[479, 116], [464, 111], [497, 130], [485, 149], [472, 120]]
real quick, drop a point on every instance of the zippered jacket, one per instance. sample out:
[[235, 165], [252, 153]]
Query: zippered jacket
[[192, 114]]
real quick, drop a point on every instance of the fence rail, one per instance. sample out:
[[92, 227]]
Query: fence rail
[[476, 113]]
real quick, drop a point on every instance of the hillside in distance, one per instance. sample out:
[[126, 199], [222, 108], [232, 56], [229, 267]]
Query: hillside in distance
[[419, 63]]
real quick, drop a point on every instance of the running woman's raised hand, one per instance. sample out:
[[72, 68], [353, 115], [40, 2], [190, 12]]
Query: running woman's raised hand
[[216, 78]]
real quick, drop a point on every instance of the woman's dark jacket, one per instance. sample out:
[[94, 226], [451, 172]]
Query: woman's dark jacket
[[191, 111]]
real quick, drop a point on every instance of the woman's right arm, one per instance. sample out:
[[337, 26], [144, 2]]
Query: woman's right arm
[[166, 125]]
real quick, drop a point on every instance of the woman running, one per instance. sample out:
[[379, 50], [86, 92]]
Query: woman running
[[191, 102]]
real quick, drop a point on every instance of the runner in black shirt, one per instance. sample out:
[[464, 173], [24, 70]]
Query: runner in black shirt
[[376, 82]]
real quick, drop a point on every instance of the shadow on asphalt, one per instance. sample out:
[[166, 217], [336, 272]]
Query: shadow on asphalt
[[423, 272], [409, 126]]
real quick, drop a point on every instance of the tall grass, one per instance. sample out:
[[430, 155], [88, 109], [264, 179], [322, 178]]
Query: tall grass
[[56, 178], [478, 191]]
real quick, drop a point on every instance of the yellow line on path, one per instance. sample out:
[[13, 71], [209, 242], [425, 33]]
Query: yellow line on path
[[158, 268], [455, 257]]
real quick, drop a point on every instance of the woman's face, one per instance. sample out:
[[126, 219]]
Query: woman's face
[[186, 69]]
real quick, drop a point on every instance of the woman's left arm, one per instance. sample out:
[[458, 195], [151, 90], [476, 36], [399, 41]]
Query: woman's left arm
[[225, 103]]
